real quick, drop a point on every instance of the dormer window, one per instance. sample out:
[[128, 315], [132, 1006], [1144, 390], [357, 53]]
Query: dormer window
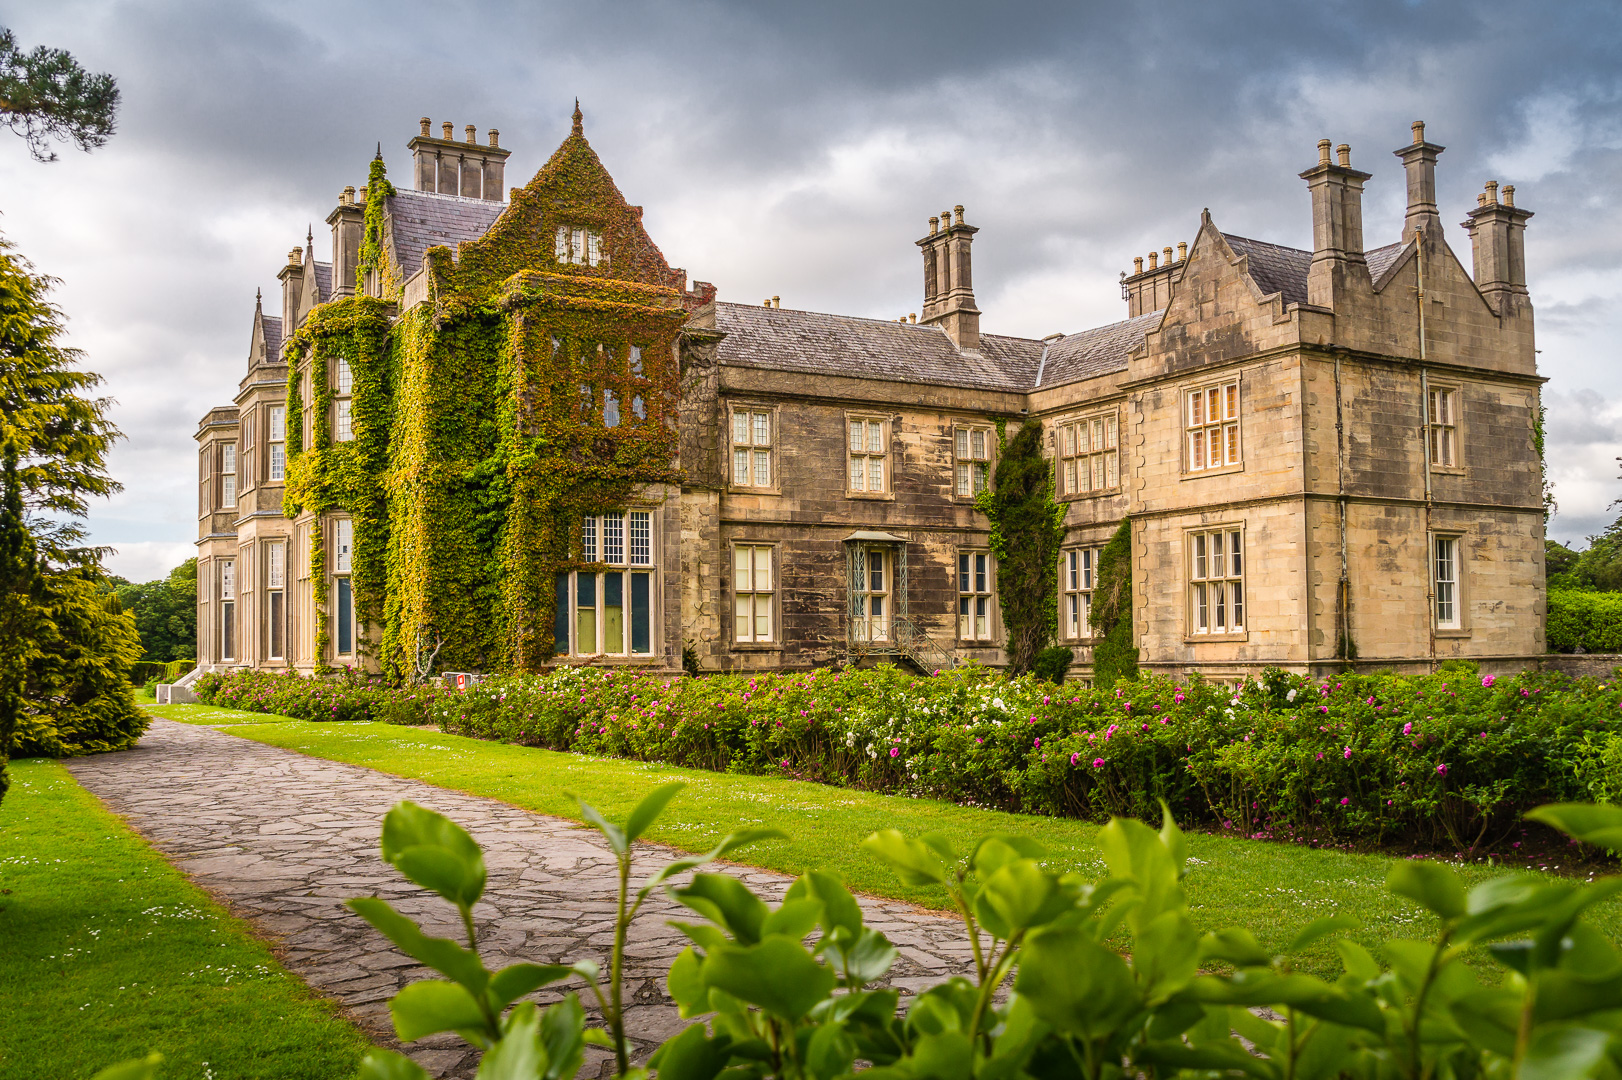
[[581, 247]]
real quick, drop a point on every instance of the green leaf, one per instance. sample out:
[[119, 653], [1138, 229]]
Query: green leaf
[[839, 907], [1133, 850], [948, 1055], [563, 1035], [1019, 892], [941, 844], [860, 958], [705, 936], [1490, 1018], [1075, 984], [1215, 1057], [915, 863], [1166, 954], [1318, 929], [611, 832], [1598, 824], [432, 1006], [730, 843], [830, 1052], [1358, 961], [386, 1065], [442, 954], [650, 808], [793, 919], [994, 852], [778, 975], [514, 981], [1171, 837], [518, 1055], [434, 851], [1430, 884], [685, 981], [136, 1069], [1237, 946], [691, 1055], [727, 902], [1566, 996], [1564, 1053]]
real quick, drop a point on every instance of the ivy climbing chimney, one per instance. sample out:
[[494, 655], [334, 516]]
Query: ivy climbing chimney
[[949, 279]]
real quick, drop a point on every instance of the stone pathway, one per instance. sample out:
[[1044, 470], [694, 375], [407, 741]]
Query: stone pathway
[[284, 839]]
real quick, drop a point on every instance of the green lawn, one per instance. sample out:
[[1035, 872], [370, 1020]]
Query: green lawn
[[1272, 888], [107, 952]]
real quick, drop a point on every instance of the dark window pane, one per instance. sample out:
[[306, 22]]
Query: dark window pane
[[641, 614], [560, 622], [346, 628]]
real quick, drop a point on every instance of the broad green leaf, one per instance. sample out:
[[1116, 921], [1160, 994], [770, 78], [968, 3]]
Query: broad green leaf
[[599, 1037], [1134, 851], [1318, 929], [685, 981], [778, 975], [793, 919], [1592, 823], [727, 902], [941, 844], [830, 1052], [1166, 955], [948, 1055], [935, 1011], [1215, 1057], [706, 937], [729, 843], [839, 907], [1490, 1018], [1566, 996], [1171, 837], [442, 954], [518, 1055], [1264, 1033], [862, 957], [993, 853], [385, 1065], [135, 1069], [1564, 1053], [1075, 984], [514, 981], [1171, 1020], [650, 808], [1235, 945], [455, 871], [691, 1055], [563, 1036], [431, 1006], [1251, 987], [586, 969], [1019, 892], [1435, 886], [916, 863], [611, 832], [1358, 961]]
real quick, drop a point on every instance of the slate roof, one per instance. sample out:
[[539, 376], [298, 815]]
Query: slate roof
[[1098, 351], [1284, 269], [782, 339], [1381, 258], [422, 219], [323, 282], [273, 338]]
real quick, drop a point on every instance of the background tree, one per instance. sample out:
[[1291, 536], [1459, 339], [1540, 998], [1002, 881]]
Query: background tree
[[165, 612], [1027, 526], [46, 95]]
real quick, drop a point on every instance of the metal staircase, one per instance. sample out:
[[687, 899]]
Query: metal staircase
[[907, 641]]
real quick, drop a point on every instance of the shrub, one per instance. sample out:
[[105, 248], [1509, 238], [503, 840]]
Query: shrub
[[1584, 621], [1053, 663]]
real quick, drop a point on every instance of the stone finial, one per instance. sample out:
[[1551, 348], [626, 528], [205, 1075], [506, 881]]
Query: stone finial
[[1344, 153], [1492, 191], [258, 299], [1323, 151], [425, 122], [1182, 250], [579, 122], [958, 212], [472, 133], [447, 127], [1509, 194], [1154, 260], [934, 225], [1418, 127], [1137, 265], [495, 139]]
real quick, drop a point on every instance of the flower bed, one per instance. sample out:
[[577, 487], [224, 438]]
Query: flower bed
[[1441, 760]]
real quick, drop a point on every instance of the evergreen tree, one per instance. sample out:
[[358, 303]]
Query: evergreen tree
[[45, 95], [1027, 526], [165, 612], [18, 580]]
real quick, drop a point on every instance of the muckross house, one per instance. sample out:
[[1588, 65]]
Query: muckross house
[[498, 431]]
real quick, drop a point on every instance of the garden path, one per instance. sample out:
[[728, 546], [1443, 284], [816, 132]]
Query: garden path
[[284, 839]]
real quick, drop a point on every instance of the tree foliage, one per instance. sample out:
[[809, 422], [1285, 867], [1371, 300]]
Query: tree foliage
[[46, 95], [1027, 526], [165, 613], [1114, 657]]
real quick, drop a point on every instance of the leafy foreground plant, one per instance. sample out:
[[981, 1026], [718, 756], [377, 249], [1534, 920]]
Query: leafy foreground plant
[[786, 988]]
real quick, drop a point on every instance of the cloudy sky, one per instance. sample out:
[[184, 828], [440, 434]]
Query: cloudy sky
[[797, 149]]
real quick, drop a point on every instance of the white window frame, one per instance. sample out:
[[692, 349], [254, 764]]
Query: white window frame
[[972, 447], [276, 600], [1216, 582], [754, 593], [228, 605], [579, 247], [1200, 427], [870, 626], [343, 420], [752, 462], [276, 444], [1442, 425], [976, 588], [623, 542], [872, 457], [1089, 453], [1078, 578], [228, 476], [1447, 592]]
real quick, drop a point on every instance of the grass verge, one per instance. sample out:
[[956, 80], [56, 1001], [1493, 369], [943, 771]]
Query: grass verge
[[1273, 889], [110, 953]]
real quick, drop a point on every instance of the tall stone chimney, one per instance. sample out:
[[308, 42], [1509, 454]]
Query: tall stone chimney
[[1337, 225], [1419, 158], [949, 279], [1497, 231], [347, 221], [459, 167], [1150, 290], [292, 277]]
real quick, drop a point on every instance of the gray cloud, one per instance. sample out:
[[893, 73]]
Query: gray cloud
[[798, 149]]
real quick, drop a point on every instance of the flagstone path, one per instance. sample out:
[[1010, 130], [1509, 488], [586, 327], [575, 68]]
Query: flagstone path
[[284, 839]]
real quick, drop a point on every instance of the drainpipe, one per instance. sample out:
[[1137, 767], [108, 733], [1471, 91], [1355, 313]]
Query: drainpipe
[[1425, 442]]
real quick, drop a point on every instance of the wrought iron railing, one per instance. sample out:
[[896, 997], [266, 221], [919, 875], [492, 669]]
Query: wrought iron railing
[[903, 638]]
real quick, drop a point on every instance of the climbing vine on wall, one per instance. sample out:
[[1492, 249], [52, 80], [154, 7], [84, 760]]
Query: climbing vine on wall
[[372, 256], [1114, 657], [1027, 527]]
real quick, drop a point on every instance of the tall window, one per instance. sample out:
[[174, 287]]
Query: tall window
[[973, 596], [343, 537], [580, 247], [1443, 407], [1089, 455], [1445, 571], [228, 475], [752, 448], [205, 478], [973, 452], [1211, 418], [609, 611], [870, 606], [1078, 577], [752, 592], [246, 460], [1217, 582], [276, 445], [275, 606], [867, 456], [228, 607], [342, 425]]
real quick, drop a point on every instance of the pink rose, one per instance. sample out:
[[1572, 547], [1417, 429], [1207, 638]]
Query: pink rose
[[1488, 680], [1098, 763]]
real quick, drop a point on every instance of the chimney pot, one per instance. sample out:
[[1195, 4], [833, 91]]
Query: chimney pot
[[1509, 194], [295, 257], [1419, 131], [766, 302], [1154, 260], [1344, 153], [777, 301], [946, 219], [1492, 191], [1182, 250], [425, 122], [912, 318], [934, 225], [958, 212], [348, 198], [1481, 198], [1167, 253], [495, 137], [472, 133], [447, 127], [1137, 265], [1323, 151]]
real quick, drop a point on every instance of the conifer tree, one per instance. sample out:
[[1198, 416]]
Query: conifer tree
[[45, 95]]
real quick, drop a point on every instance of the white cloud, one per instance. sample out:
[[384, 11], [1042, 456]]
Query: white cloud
[[148, 560]]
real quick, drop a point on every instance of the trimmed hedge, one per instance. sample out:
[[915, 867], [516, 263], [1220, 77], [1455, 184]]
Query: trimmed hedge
[[1446, 760], [1586, 621]]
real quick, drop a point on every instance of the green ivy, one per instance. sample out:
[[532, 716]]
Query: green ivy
[[1114, 657], [1027, 527]]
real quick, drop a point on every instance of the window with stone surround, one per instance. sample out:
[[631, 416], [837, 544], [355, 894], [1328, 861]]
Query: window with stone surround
[[228, 475], [1078, 575], [753, 594], [1445, 582], [1089, 455], [342, 424], [1216, 582], [343, 537], [868, 440], [276, 444], [972, 453], [579, 247], [275, 605], [1211, 423], [609, 611], [1442, 421], [228, 607], [974, 582], [753, 447]]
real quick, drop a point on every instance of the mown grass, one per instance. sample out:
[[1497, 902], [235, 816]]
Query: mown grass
[[1274, 889], [107, 953]]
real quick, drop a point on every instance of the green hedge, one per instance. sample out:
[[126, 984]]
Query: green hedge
[[1586, 621], [1448, 760]]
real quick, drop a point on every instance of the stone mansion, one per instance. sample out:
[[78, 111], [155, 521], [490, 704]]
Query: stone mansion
[[1327, 457]]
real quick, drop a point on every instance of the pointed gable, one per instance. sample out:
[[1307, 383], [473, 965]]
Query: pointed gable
[[265, 342]]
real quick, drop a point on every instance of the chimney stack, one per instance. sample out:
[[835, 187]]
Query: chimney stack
[[1419, 158], [949, 280], [1146, 290], [347, 221], [452, 167], [292, 278], [1337, 225], [1498, 241]]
